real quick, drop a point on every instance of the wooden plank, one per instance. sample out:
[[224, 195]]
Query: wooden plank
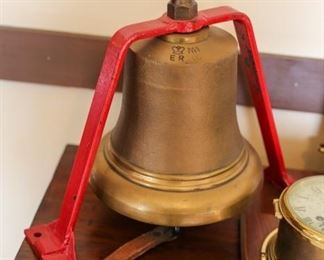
[[293, 83], [68, 59], [56, 58]]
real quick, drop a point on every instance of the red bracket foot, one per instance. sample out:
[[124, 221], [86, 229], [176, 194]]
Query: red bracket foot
[[278, 179], [48, 245]]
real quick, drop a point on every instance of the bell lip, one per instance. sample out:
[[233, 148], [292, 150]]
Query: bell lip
[[173, 208], [173, 182]]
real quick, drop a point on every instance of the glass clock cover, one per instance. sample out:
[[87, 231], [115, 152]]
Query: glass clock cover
[[305, 200]]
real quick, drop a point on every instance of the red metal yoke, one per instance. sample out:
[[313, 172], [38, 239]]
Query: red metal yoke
[[56, 239]]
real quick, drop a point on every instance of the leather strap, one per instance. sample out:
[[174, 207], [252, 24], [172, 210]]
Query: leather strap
[[140, 245]]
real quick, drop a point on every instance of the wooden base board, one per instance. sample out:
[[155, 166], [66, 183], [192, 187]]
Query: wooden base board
[[100, 231]]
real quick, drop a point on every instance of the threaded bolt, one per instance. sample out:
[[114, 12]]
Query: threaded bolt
[[182, 9]]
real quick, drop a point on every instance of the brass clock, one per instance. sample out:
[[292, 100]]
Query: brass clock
[[300, 234]]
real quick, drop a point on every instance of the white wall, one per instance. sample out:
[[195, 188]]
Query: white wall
[[37, 122], [292, 27]]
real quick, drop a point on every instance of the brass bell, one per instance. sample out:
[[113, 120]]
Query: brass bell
[[176, 156]]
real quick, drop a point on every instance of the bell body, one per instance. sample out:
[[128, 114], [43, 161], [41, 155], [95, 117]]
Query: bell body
[[176, 156]]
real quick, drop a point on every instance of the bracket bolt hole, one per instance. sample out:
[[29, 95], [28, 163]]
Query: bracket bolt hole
[[321, 148], [37, 234]]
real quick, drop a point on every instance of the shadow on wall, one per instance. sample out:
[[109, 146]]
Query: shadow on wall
[[314, 159], [300, 135]]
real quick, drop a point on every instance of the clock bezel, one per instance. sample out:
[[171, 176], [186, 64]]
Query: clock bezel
[[312, 235]]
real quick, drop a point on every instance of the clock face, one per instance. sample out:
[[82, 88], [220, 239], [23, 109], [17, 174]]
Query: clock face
[[305, 200]]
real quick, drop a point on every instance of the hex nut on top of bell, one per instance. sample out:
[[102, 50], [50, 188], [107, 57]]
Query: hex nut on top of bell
[[182, 9]]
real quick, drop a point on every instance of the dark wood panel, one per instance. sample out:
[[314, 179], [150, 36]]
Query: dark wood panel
[[50, 57], [294, 83], [74, 60]]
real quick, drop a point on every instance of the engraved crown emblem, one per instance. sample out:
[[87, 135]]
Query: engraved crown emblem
[[178, 50]]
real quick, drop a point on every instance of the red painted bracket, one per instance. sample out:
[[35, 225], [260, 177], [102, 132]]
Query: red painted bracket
[[56, 240]]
